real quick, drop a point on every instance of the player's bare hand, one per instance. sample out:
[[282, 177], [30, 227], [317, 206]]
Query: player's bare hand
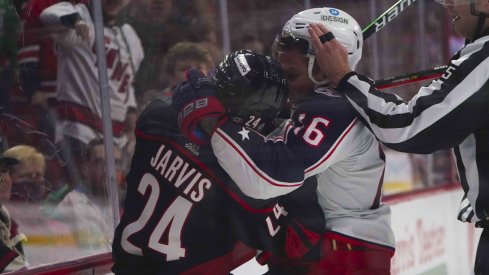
[[82, 29], [331, 56]]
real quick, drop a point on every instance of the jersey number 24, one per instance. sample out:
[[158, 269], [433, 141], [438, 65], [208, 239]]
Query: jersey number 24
[[174, 217]]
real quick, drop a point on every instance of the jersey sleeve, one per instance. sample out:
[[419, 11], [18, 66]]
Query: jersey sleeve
[[135, 47], [440, 116], [136, 55], [265, 167], [63, 15]]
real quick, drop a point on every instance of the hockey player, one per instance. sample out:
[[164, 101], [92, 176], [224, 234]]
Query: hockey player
[[323, 139], [452, 111], [183, 214]]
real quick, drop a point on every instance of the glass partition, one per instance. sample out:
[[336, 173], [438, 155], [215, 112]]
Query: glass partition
[[51, 117]]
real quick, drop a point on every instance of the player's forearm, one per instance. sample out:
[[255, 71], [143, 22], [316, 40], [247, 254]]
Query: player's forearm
[[392, 120], [439, 117], [260, 171]]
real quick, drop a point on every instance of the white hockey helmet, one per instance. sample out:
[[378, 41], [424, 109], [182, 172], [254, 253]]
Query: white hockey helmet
[[345, 28]]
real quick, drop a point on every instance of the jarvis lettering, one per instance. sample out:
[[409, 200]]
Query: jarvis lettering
[[177, 171]]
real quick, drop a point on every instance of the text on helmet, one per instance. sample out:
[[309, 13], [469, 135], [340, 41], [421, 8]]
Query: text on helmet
[[332, 18]]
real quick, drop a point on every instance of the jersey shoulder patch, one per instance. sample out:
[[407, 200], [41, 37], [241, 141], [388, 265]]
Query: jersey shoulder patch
[[330, 105], [327, 91]]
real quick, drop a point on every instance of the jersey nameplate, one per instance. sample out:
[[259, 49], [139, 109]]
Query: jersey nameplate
[[179, 172]]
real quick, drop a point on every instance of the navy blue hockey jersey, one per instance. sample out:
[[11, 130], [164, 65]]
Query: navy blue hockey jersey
[[182, 210]]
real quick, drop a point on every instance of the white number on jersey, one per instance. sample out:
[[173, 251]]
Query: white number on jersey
[[448, 72], [313, 135], [174, 217], [277, 211], [253, 122]]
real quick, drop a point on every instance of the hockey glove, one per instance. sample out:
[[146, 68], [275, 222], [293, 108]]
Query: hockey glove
[[199, 111]]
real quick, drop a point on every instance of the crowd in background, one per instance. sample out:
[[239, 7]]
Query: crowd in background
[[59, 173]]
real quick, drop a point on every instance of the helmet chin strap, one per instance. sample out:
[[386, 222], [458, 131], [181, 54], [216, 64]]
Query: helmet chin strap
[[480, 23], [312, 58]]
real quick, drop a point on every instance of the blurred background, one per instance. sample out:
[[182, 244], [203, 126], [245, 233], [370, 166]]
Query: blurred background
[[51, 118]]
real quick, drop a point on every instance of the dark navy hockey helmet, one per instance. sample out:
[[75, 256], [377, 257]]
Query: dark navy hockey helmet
[[252, 87]]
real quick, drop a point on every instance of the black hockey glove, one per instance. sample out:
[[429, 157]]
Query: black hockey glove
[[199, 111]]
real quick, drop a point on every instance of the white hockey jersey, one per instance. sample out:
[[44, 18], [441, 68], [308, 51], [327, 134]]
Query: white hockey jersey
[[78, 97]]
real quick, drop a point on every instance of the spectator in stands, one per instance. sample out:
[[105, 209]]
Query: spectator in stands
[[22, 202], [86, 208], [161, 24], [203, 31], [6, 165], [11, 251], [37, 68], [152, 22], [78, 98], [181, 57], [253, 43], [9, 27], [28, 184]]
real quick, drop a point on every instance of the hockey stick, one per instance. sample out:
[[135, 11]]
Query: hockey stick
[[386, 17], [404, 79], [380, 22]]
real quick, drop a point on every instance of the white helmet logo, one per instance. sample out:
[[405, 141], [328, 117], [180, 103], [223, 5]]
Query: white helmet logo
[[334, 12], [242, 64]]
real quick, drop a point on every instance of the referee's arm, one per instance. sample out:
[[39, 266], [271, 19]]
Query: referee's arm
[[439, 116]]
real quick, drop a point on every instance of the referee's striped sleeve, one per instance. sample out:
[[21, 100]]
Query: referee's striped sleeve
[[438, 117]]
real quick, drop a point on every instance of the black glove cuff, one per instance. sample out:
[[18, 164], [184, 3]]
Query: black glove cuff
[[70, 19]]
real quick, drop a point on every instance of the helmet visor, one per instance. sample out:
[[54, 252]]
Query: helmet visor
[[289, 43], [453, 2]]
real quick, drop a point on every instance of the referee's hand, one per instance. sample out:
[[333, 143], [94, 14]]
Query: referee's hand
[[331, 56]]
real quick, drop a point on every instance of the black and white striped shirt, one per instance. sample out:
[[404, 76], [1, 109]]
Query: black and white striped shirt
[[451, 112]]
